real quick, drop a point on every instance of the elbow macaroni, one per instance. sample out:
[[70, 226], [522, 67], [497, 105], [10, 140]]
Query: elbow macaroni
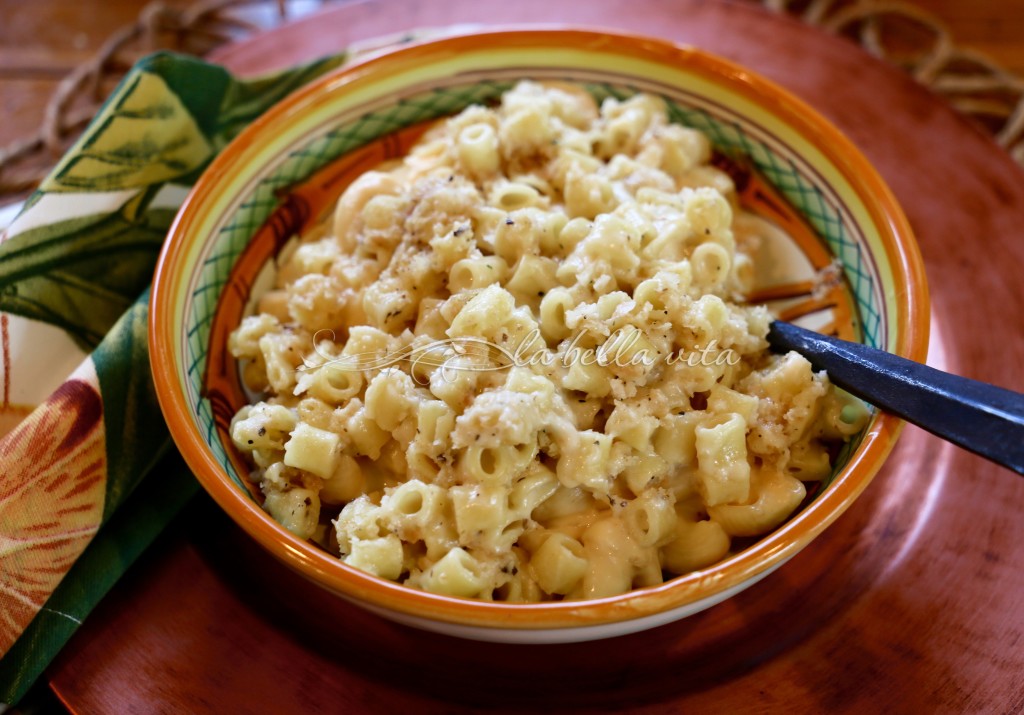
[[536, 265]]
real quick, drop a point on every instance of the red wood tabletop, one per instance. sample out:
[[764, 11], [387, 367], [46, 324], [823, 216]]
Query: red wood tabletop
[[43, 40], [912, 602]]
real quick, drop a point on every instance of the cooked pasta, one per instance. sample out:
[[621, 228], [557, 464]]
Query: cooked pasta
[[515, 365]]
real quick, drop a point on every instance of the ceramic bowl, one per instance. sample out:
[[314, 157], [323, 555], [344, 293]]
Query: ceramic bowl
[[281, 174]]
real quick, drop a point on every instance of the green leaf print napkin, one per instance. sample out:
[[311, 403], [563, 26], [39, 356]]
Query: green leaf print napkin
[[90, 477]]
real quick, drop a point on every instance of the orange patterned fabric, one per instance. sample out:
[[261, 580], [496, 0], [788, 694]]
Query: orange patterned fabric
[[51, 497]]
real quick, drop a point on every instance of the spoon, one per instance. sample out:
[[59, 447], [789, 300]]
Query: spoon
[[979, 417]]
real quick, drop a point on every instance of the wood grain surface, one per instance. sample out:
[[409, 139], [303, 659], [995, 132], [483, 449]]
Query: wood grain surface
[[910, 603], [43, 40]]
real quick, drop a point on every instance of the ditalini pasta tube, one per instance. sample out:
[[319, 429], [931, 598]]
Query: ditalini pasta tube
[[513, 365]]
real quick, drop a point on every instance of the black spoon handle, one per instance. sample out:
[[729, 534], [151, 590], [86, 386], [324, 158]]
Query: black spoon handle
[[982, 418]]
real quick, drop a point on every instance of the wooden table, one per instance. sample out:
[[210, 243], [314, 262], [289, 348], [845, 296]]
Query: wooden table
[[42, 40]]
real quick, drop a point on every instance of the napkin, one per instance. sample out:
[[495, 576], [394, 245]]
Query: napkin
[[90, 478]]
